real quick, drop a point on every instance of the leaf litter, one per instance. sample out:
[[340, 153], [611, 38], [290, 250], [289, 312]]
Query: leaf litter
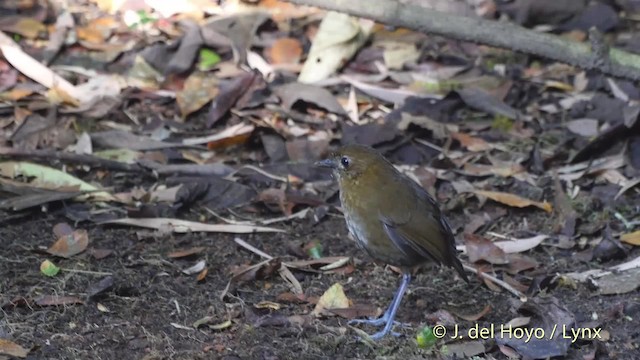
[[163, 92]]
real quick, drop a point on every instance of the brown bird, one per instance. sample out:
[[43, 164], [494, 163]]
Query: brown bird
[[391, 217]]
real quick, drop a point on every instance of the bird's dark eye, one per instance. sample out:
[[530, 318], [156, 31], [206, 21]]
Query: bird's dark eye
[[345, 162]]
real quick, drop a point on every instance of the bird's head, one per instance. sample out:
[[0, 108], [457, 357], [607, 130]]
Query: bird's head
[[350, 162]]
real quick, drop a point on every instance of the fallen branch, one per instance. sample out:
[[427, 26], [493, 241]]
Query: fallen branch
[[493, 33], [496, 281]]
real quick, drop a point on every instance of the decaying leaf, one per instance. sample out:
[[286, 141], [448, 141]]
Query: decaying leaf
[[57, 300], [514, 200], [480, 248], [337, 40], [9, 348], [70, 244], [550, 317], [333, 298]]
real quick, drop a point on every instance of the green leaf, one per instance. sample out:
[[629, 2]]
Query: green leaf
[[145, 18], [49, 269], [51, 178], [426, 338], [208, 59], [315, 252]]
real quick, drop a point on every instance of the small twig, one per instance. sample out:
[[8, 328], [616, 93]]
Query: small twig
[[259, 171], [98, 273], [252, 248], [497, 281]]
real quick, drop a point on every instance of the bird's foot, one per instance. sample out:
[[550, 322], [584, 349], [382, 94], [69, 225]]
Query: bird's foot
[[377, 322], [373, 322], [380, 334]]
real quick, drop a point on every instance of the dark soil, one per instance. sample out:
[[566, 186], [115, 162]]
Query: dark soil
[[150, 296]]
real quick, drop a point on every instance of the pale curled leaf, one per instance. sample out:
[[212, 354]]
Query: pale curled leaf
[[184, 226], [520, 245], [338, 38], [196, 268], [33, 69], [235, 130]]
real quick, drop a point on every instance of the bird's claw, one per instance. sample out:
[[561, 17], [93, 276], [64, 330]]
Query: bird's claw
[[377, 322], [373, 322]]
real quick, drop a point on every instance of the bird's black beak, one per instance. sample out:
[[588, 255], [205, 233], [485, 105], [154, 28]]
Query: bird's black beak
[[327, 163]]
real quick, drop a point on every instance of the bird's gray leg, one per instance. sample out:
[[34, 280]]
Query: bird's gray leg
[[388, 318]]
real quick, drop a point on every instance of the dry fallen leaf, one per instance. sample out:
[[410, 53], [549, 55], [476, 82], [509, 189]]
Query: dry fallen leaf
[[8, 347], [514, 200], [480, 248], [185, 252], [54, 300], [631, 238], [285, 51], [333, 298], [472, 143], [70, 244]]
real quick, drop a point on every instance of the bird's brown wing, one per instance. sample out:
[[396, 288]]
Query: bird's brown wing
[[420, 229]]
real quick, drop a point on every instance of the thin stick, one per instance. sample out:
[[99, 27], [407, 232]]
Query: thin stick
[[99, 273], [252, 248], [496, 281]]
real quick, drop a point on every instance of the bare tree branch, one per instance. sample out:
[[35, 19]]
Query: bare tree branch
[[499, 34]]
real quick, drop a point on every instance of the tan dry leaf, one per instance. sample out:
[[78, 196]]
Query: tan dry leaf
[[72, 244], [333, 298], [199, 89], [8, 347], [472, 143], [631, 238], [514, 200], [285, 51]]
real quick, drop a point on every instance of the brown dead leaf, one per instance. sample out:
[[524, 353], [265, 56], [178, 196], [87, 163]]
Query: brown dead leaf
[[513, 200], [233, 140], [475, 317], [185, 252], [442, 317], [71, 244], [631, 238], [97, 30], [292, 298], [285, 51], [202, 275], [480, 248], [54, 300], [471, 143], [198, 90], [519, 262], [8, 347], [333, 298]]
